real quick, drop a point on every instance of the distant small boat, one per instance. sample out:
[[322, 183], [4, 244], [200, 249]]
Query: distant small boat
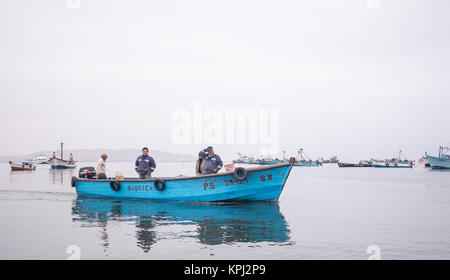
[[394, 163], [360, 164], [24, 166], [245, 159], [442, 161], [307, 163], [333, 159], [424, 161], [40, 160], [56, 163], [60, 163], [304, 160]]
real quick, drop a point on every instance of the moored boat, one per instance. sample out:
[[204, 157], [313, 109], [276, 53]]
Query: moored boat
[[24, 166], [56, 163], [245, 159], [304, 160], [40, 160], [394, 162], [442, 161], [252, 184], [360, 164], [307, 163], [60, 163]]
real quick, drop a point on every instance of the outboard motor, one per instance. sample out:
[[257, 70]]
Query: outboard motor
[[87, 172]]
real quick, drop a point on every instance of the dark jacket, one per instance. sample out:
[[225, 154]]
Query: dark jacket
[[145, 164], [211, 162]]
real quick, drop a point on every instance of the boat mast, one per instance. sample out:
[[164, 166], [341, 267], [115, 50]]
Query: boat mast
[[61, 150]]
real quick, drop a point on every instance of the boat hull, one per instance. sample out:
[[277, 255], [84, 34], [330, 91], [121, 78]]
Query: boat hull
[[56, 163], [306, 163], [353, 165], [21, 167], [264, 183], [391, 165], [438, 163]]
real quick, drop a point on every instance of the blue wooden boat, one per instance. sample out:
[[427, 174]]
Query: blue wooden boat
[[253, 184], [216, 223], [442, 161]]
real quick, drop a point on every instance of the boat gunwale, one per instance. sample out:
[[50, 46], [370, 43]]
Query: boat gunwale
[[252, 169]]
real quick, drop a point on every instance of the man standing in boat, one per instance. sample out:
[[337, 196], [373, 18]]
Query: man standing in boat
[[145, 165], [212, 162], [101, 167]]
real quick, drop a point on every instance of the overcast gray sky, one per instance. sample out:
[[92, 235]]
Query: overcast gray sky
[[347, 80]]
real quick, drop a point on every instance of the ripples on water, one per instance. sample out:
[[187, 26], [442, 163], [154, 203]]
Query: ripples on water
[[323, 213]]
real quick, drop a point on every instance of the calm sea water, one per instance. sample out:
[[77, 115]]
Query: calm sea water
[[323, 213]]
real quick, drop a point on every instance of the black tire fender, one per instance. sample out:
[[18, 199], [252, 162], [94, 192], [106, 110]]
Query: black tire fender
[[115, 185], [159, 184], [240, 173], [74, 181]]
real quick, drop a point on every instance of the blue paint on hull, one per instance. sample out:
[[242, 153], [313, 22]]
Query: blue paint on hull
[[261, 184]]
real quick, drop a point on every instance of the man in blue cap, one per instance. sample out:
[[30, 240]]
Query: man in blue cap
[[145, 165], [213, 163]]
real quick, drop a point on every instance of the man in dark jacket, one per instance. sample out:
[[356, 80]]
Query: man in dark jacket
[[145, 165], [213, 163]]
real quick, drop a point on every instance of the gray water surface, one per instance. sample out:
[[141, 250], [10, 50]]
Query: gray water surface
[[323, 213]]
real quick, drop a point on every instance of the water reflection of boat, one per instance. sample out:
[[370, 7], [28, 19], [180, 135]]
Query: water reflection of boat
[[215, 223]]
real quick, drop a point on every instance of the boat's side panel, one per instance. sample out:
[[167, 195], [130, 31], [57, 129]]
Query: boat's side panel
[[259, 185], [438, 163]]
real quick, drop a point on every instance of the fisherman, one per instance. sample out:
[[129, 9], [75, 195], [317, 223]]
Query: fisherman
[[71, 158], [199, 166], [213, 163], [101, 167], [145, 165]]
